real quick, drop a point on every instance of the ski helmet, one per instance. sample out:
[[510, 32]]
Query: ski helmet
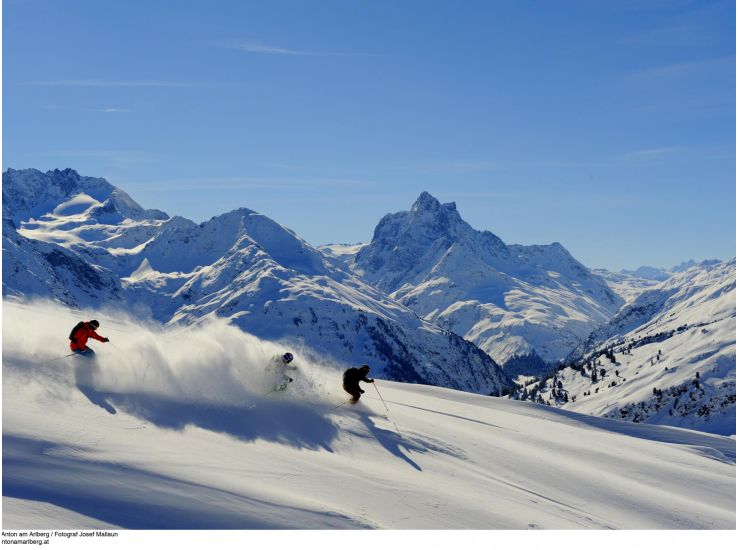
[[365, 368], [94, 324], [287, 357]]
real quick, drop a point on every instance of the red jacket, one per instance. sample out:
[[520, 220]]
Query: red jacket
[[84, 333]]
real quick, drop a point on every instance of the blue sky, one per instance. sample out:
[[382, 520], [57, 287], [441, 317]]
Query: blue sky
[[608, 126]]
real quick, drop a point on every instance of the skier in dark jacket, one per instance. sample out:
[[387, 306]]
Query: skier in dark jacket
[[351, 379], [82, 332]]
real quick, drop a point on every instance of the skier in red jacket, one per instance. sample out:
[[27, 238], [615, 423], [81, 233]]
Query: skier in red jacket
[[82, 332]]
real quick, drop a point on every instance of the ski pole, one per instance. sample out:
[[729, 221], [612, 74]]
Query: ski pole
[[380, 396], [341, 404], [278, 388], [385, 406], [57, 359]]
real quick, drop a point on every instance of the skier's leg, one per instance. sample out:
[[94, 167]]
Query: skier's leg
[[282, 384], [348, 390], [87, 352], [354, 392]]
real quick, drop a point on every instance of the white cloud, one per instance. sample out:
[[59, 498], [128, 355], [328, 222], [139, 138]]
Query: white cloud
[[198, 184], [680, 70], [88, 109], [97, 83], [449, 167], [656, 153], [251, 46], [113, 158], [461, 166]]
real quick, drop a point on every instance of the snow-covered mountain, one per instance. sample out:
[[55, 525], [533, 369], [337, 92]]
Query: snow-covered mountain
[[240, 265], [524, 305], [631, 284], [166, 431], [30, 194], [669, 357], [69, 207]]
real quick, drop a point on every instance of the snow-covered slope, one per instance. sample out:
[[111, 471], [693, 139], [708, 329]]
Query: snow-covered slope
[[648, 273], [512, 301], [240, 265], [625, 285], [673, 357], [343, 252], [36, 268], [167, 430], [699, 295], [631, 284]]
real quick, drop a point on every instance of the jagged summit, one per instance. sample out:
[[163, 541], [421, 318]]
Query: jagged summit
[[404, 243], [428, 203], [429, 209]]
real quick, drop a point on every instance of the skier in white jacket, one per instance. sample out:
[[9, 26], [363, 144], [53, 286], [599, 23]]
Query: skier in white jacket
[[281, 368]]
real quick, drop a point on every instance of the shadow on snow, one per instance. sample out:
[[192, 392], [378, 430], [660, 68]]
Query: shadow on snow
[[135, 498], [275, 419]]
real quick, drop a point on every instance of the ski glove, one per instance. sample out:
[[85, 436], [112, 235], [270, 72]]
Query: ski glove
[[106, 339]]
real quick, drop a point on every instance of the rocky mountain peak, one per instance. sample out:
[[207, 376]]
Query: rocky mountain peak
[[426, 203], [67, 179]]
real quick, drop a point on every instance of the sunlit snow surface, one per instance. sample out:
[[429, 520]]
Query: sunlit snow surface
[[170, 429]]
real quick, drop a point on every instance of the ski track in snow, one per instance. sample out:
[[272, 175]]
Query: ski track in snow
[[142, 440]]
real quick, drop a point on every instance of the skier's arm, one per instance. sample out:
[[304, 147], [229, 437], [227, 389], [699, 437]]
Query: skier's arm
[[96, 336], [368, 380]]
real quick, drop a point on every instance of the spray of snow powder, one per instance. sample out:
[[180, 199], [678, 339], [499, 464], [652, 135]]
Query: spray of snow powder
[[210, 363]]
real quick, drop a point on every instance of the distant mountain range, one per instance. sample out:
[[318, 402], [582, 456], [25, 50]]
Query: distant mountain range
[[429, 300]]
